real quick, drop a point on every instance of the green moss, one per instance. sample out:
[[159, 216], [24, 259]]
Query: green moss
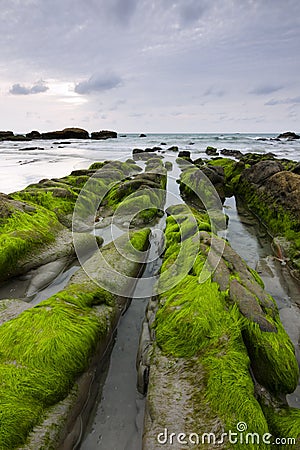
[[284, 423], [256, 277], [139, 239], [198, 190], [46, 348], [48, 199], [42, 353], [22, 233], [96, 165], [232, 171], [18, 412], [195, 320], [272, 356]]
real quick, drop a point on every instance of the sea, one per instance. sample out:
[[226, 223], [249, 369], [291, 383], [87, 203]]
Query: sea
[[27, 162]]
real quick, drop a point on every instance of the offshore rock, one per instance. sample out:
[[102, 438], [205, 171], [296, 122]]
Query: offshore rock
[[104, 134], [6, 134], [33, 135], [289, 135], [66, 133]]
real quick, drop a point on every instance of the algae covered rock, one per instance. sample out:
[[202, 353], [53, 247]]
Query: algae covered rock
[[222, 327], [140, 199], [46, 348], [276, 201], [24, 230]]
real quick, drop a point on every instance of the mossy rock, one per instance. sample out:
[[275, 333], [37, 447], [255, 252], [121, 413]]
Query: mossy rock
[[272, 357], [24, 232], [197, 320], [46, 348]]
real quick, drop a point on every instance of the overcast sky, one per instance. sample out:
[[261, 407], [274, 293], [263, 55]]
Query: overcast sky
[[150, 65]]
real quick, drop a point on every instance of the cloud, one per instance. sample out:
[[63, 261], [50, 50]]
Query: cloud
[[285, 101], [266, 89], [191, 11], [37, 88], [98, 83], [123, 10], [214, 92]]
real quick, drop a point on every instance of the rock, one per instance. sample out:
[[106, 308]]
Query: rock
[[198, 162], [211, 151], [149, 150], [81, 321], [163, 143], [45, 274], [142, 135], [285, 188], [174, 148], [296, 169], [261, 171], [234, 153], [30, 148], [6, 134], [249, 306], [8, 206], [289, 135], [34, 135], [168, 165], [253, 158], [184, 154], [11, 308], [18, 137], [104, 134], [217, 177], [144, 155], [66, 133]]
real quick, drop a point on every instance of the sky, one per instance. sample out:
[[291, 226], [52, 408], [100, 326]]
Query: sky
[[150, 65]]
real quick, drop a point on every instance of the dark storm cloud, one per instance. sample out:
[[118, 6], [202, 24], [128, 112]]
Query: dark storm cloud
[[266, 89], [98, 83], [37, 88]]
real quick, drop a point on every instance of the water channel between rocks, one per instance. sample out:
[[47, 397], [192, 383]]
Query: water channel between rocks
[[116, 422]]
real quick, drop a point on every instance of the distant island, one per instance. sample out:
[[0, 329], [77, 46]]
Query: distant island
[[66, 133]]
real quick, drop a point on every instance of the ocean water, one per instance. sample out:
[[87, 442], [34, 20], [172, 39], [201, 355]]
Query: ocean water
[[23, 163]]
